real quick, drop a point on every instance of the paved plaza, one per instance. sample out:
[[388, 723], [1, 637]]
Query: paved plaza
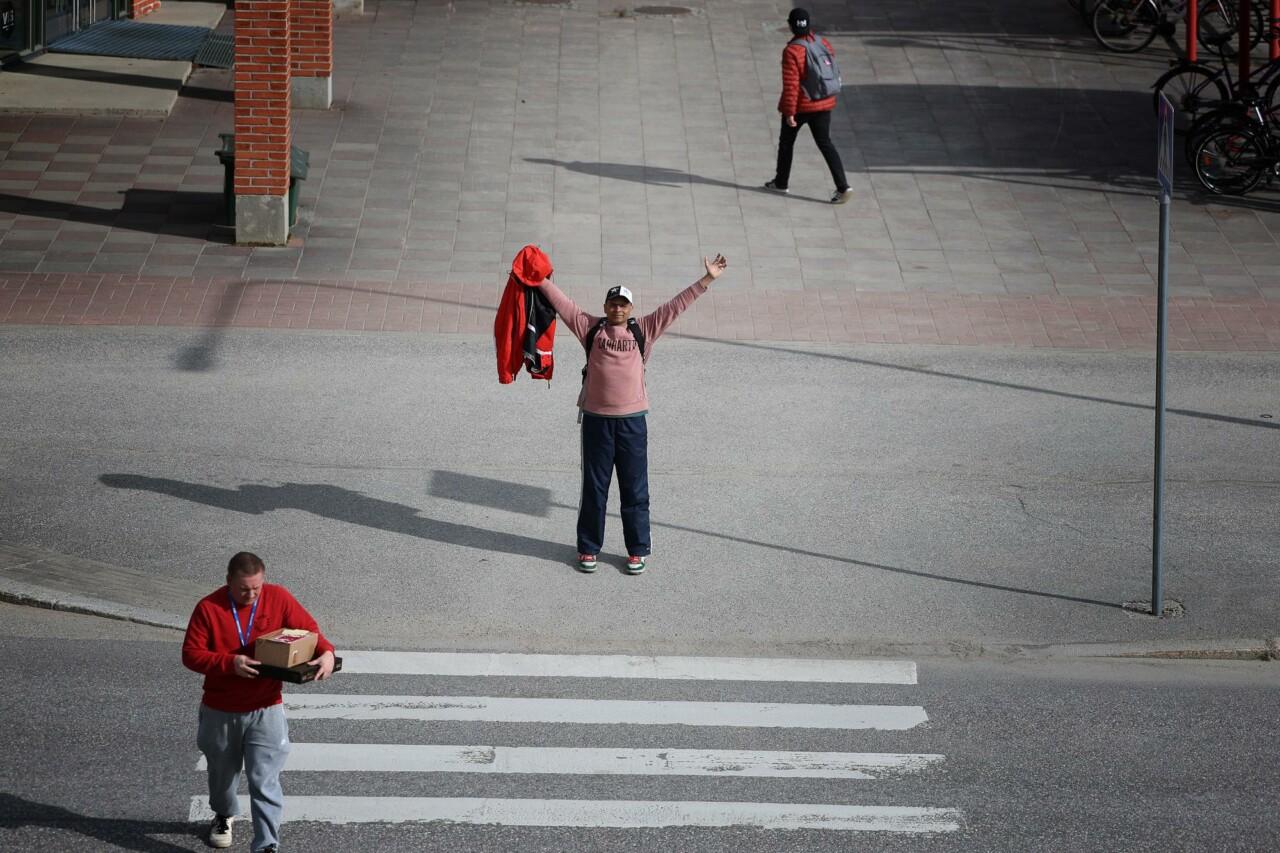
[[1002, 166]]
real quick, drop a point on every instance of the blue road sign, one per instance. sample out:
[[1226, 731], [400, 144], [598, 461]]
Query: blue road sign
[[1164, 148]]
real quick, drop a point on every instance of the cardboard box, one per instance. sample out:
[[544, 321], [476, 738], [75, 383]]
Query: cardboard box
[[286, 647]]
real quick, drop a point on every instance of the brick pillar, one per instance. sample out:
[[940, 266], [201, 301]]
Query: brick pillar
[[262, 60], [138, 8], [311, 23]]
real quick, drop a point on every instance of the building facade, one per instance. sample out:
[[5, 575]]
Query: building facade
[[31, 26]]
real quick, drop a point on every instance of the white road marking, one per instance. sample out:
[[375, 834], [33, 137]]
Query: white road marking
[[624, 666], [627, 814], [420, 758], [359, 706]]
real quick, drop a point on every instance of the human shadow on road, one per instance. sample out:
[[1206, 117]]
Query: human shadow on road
[[344, 505], [636, 173], [517, 497], [659, 176], [486, 491], [16, 813]]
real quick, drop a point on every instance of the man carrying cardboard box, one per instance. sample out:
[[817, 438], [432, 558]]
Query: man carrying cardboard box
[[242, 722]]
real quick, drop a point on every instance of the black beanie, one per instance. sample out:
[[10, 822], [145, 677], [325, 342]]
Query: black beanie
[[799, 21]]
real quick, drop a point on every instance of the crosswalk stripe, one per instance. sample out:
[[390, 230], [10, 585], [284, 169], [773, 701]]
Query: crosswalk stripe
[[421, 758], [359, 706], [625, 666], [625, 814]]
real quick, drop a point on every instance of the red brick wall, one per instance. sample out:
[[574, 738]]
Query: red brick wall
[[312, 24], [138, 8], [262, 97]]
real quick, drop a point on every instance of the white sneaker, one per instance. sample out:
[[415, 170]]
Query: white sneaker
[[773, 185], [220, 832], [841, 196]]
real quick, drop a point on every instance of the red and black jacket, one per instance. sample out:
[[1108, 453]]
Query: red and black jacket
[[524, 331]]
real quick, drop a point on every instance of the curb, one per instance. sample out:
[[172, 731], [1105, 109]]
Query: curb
[[1266, 649], [31, 595]]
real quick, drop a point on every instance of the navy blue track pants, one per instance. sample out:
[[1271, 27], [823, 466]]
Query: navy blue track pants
[[608, 443]]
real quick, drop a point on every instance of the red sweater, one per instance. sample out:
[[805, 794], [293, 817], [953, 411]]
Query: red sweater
[[793, 100], [212, 643]]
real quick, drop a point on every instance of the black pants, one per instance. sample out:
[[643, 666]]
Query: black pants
[[608, 443], [820, 127]]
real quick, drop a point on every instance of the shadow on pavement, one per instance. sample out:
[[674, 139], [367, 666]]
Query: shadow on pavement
[[345, 505], [172, 212], [485, 491], [93, 75], [16, 813], [202, 356], [658, 176], [1085, 140], [995, 383]]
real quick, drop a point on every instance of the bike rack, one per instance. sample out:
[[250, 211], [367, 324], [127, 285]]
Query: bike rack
[[1275, 29], [1193, 27]]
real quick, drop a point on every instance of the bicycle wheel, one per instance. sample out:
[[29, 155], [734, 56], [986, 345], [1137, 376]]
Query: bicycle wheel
[[1219, 26], [1231, 162], [1193, 89], [1271, 103], [1234, 116], [1125, 26]]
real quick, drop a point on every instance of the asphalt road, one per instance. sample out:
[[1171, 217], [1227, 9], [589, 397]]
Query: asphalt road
[[807, 499], [1102, 755]]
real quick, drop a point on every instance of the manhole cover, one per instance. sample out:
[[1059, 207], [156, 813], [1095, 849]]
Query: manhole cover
[[669, 11]]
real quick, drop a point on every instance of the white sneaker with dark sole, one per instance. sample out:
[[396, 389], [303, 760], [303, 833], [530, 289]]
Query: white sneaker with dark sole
[[635, 565], [220, 832], [587, 563]]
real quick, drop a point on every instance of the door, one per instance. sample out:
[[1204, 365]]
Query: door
[[59, 19]]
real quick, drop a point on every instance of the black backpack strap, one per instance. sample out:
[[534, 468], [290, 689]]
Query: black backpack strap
[[636, 333], [589, 342], [591, 336]]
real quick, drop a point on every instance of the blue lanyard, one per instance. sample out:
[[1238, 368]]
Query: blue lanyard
[[253, 611]]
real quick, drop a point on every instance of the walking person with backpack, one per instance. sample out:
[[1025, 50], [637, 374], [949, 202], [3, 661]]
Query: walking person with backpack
[[613, 404], [810, 84]]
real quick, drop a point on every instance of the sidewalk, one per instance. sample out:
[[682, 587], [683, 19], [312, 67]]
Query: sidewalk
[[1002, 167], [85, 85]]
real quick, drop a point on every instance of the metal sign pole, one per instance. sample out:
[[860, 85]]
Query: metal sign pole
[[1157, 581], [1164, 172]]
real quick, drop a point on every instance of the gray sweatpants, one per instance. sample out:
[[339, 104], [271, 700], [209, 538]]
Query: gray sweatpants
[[258, 741]]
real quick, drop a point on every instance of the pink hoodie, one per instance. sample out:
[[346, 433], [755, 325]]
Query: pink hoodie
[[615, 372]]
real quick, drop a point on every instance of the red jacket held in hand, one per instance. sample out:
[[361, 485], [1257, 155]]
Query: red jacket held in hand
[[524, 331]]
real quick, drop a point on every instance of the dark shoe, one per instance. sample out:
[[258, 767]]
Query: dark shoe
[[587, 562], [220, 832], [635, 565], [773, 185], [841, 196], [270, 848]]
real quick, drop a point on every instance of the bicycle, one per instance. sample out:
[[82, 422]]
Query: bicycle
[[1233, 161], [1127, 26], [1197, 87]]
